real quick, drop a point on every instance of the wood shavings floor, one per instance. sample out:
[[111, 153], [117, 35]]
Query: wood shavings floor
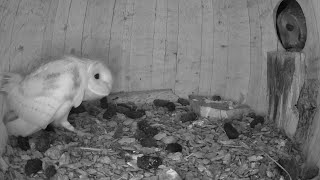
[[112, 149]]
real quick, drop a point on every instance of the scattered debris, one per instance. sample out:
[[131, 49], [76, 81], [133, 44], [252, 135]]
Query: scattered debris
[[148, 162], [50, 171], [148, 142], [147, 129], [33, 166], [23, 143], [231, 132], [110, 112], [183, 102], [164, 103], [43, 142], [216, 98], [188, 116], [155, 143], [257, 120], [104, 103], [174, 147], [135, 114]]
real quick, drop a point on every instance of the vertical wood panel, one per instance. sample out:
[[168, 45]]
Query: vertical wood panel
[[207, 40], [116, 61], [8, 11], [255, 82], [48, 32], [189, 48], [142, 45], [97, 28], [269, 43], [220, 54], [74, 32], [239, 50], [27, 35], [127, 35], [60, 28], [159, 44], [170, 61], [311, 11]]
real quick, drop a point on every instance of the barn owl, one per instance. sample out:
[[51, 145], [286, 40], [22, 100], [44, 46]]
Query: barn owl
[[47, 94]]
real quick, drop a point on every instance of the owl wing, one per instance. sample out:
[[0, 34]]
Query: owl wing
[[40, 95], [45, 78]]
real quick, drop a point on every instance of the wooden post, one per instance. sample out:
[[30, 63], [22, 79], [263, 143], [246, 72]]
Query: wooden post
[[285, 78]]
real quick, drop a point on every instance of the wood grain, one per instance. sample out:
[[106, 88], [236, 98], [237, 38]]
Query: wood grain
[[255, 83], [74, 28], [60, 28], [142, 45], [127, 36], [27, 33], [48, 31], [220, 45], [207, 42], [96, 34], [116, 61], [159, 44], [189, 48], [171, 54], [238, 50]]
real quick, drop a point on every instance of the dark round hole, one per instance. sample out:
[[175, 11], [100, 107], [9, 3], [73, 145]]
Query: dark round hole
[[289, 27], [97, 76]]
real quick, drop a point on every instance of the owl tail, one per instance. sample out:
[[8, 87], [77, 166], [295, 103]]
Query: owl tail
[[7, 80]]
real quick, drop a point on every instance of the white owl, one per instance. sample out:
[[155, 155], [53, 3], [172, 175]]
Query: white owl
[[47, 95]]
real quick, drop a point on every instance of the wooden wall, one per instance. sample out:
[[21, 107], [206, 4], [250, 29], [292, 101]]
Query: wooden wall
[[205, 47]]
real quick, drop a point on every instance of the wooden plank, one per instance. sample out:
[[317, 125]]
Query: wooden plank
[[73, 41], [171, 52], [142, 45], [255, 82], [239, 50], [27, 35], [311, 11], [126, 44], [60, 28], [116, 61], [220, 51], [8, 11], [48, 32], [275, 4], [206, 64], [189, 48], [269, 43], [97, 29], [159, 42]]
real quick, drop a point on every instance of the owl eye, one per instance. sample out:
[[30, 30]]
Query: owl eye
[[97, 76]]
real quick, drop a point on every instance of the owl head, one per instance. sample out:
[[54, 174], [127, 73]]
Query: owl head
[[100, 81]]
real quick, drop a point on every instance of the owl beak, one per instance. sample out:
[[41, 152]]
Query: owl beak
[[108, 88]]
